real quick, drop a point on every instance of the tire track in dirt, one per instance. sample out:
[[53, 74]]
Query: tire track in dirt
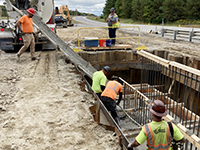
[[42, 65]]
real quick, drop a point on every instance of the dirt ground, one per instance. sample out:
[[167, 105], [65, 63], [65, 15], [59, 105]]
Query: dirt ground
[[42, 106]]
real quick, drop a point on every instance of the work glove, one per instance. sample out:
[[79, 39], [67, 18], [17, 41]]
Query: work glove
[[129, 147], [117, 103], [21, 33]]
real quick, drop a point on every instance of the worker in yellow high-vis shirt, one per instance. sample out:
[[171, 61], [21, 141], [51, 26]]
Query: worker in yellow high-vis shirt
[[157, 133], [99, 80]]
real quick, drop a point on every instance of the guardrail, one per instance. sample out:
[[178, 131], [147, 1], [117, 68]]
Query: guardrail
[[137, 37], [181, 33]]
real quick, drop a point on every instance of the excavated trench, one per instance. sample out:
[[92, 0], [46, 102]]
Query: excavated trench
[[128, 65]]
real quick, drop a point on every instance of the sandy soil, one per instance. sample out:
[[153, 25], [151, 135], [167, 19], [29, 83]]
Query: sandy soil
[[41, 103], [180, 47], [43, 108]]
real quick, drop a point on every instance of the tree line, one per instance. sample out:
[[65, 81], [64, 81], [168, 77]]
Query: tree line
[[3, 11], [154, 11], [71, 12]]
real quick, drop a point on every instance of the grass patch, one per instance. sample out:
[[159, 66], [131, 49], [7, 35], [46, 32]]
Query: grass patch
[[96, 18], [3, 17]]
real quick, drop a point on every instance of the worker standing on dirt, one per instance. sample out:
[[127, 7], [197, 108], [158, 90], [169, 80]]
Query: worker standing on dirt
[[158, 133], [99, 80], [109, 95], [113, 24], [56, 11], [27, 33]]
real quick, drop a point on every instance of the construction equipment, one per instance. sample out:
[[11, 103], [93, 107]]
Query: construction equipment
[[61, 18], [10, 39]]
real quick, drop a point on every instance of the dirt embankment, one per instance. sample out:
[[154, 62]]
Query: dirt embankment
[[42, 106]]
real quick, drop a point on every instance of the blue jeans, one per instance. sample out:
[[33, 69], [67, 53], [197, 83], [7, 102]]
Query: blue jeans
[[112, 34]]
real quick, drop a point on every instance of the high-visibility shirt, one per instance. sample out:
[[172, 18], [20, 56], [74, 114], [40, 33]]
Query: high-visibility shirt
[[158, 135], [27, 24], [115, 24], [98, 79], [112, 89]]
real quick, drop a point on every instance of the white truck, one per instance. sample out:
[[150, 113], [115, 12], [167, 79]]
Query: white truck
[[10, 39]]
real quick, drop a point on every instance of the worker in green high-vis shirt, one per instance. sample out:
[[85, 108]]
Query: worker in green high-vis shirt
[[158, 132], [99, 80]]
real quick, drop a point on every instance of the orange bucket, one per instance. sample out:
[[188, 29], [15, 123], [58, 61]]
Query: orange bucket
[[102, 43]]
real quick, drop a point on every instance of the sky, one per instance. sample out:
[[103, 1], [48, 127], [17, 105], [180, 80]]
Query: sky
[[87, 6]]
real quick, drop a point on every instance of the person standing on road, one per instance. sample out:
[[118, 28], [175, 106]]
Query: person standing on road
[[27, 33], [109, 95], [113, 24], [99, 80], [157, 133]]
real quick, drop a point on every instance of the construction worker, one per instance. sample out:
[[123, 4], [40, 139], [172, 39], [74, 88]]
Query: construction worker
[[109, 95], [99, 80], [157, 133], [112, 22], [56, 11], [27, 33]]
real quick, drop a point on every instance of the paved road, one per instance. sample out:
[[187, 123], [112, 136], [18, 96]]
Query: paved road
[[143, 28]]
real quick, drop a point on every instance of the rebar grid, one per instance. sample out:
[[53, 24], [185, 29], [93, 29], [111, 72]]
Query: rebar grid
[[178, 86], [178, 89]]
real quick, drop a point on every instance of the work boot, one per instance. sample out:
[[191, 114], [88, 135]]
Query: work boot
[[18, 56], [35, 58]]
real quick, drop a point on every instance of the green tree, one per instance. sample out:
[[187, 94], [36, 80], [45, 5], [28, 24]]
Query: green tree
[[138, 9], [4, 12], [108, 5], [127, 9], [193, 9], [153, 11], [173, 10], [118, 7]]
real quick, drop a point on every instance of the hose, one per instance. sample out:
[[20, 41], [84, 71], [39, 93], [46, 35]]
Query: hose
[[129, 116]]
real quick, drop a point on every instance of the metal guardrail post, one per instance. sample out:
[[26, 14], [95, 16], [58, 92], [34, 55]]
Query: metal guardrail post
[[162, 32], [175, 33], [191, 35]]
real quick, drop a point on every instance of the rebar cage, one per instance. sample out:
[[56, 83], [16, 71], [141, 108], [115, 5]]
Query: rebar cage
[[177, 85]]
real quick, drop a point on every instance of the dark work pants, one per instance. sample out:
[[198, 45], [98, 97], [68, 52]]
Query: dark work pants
[[112, 34], [110, 105], [99, 95]]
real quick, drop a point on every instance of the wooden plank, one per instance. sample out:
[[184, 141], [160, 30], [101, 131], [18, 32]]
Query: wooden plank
[[121, 46], [157, 59]]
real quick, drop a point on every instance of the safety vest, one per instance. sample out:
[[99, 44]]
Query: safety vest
[[152, 144], [112, 89], [115, 24]]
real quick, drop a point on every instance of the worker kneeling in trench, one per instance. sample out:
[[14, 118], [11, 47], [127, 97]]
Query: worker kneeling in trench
[[109, 95]]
